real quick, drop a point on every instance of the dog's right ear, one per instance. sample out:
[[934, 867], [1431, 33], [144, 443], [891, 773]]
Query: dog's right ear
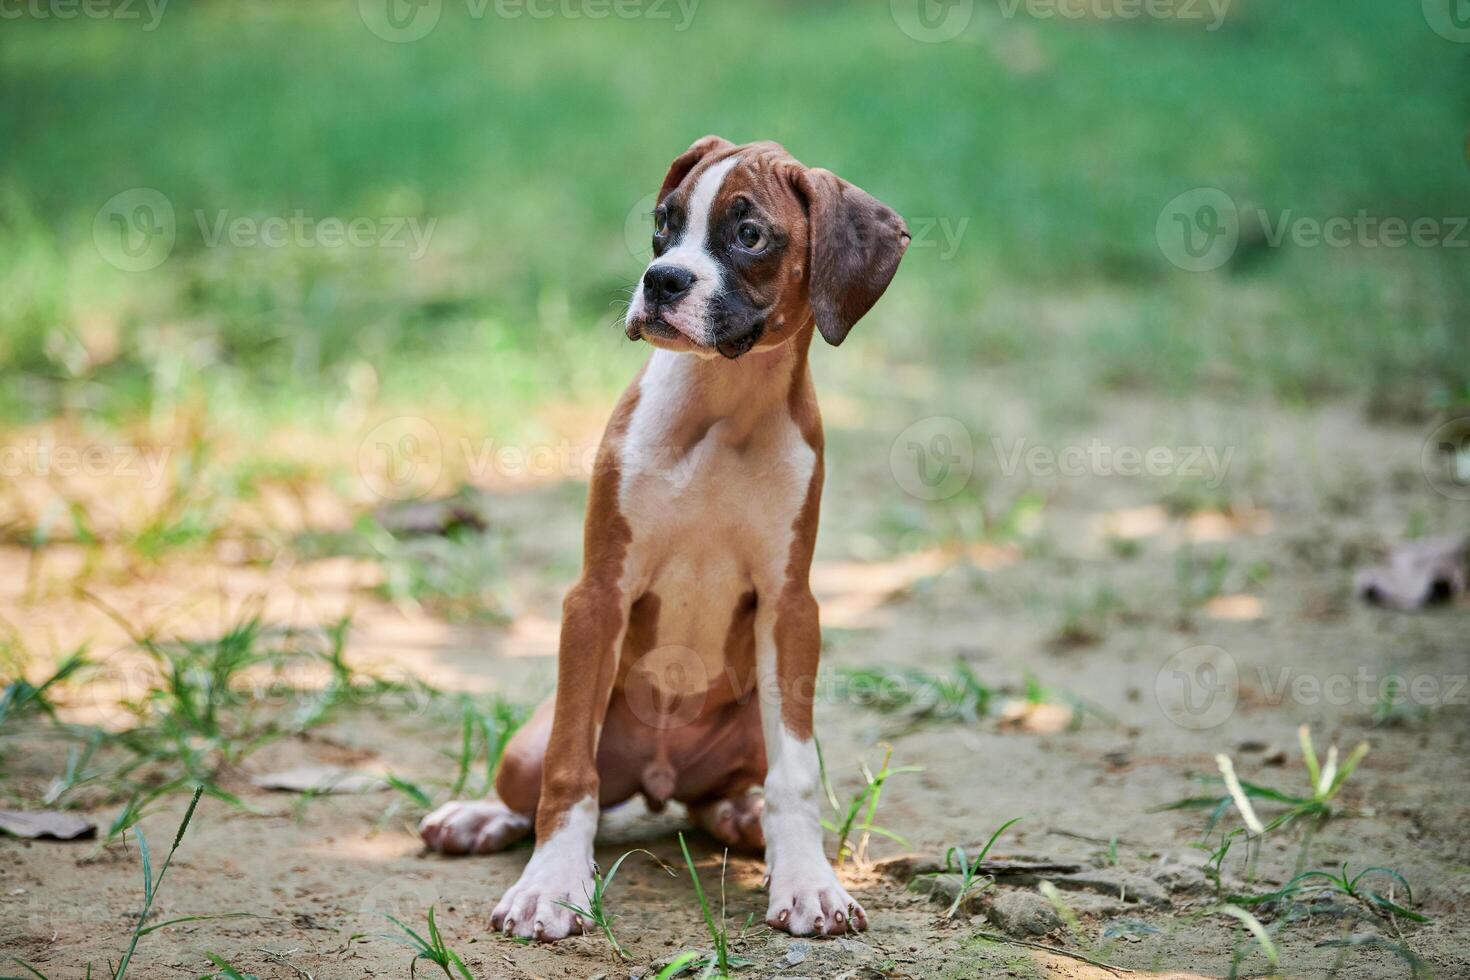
[[689, 159]]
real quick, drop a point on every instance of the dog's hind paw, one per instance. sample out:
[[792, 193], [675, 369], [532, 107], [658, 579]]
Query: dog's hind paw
[[473, 827], [735, 821]]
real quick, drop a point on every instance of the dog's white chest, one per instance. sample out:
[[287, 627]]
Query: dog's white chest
[[727, 495]]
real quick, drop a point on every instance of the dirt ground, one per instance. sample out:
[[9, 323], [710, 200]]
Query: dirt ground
[[1092, 596]]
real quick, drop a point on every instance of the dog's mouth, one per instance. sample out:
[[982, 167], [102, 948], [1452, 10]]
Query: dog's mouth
[[655, 327], [652, 326], [660, 323]]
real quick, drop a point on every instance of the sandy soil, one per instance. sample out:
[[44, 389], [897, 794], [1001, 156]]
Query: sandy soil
[[1315, 494]]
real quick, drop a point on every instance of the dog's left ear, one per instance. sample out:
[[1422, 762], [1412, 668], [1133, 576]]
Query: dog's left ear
[[856, 243]]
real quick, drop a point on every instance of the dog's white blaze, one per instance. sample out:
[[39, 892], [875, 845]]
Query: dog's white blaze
[[691, 315]]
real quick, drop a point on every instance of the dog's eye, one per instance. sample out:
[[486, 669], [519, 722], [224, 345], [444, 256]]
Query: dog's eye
[[750, 236], [661, 222]]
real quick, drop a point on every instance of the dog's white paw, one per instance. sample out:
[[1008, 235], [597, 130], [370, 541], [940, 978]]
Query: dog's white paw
[[531, 908], [807, 900], [473, 827]]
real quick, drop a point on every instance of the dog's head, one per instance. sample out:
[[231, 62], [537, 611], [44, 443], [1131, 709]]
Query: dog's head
[[749, 246]]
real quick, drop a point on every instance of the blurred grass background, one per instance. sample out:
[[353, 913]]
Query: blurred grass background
[[1047, 147]]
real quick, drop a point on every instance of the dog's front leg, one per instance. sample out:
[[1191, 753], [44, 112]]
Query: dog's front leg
[[594, 618], [806, 897]]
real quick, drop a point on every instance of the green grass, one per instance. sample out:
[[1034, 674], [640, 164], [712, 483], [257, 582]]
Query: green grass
[[1325, 780], [1310, 811], [1304, 892], [721, 962], [433, 950], [854, 823], [227, 971], [203, 706], [20, 697], [918, 696], [529, 142], [151, 885], [965, 874], [1259, 933], [596, 911], [1327, 883]]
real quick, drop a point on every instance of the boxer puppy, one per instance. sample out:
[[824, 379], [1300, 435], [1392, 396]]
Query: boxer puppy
[[689, 645]]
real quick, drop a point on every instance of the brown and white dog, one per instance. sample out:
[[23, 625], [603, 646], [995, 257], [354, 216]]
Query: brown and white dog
[[689, 645]]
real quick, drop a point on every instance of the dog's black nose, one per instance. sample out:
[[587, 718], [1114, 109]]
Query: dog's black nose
[[663, 284]]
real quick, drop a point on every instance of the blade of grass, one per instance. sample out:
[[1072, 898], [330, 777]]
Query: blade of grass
[[152, 890]]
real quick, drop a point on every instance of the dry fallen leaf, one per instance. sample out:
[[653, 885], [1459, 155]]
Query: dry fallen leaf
[[52, 824], [320, 779], [1038, 719], [1237, 607]]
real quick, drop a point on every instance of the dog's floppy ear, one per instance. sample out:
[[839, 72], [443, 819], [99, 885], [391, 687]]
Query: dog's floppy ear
[[687, 161], [856, 242]]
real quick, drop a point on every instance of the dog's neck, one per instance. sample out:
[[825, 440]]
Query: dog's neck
[[739, 394]]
